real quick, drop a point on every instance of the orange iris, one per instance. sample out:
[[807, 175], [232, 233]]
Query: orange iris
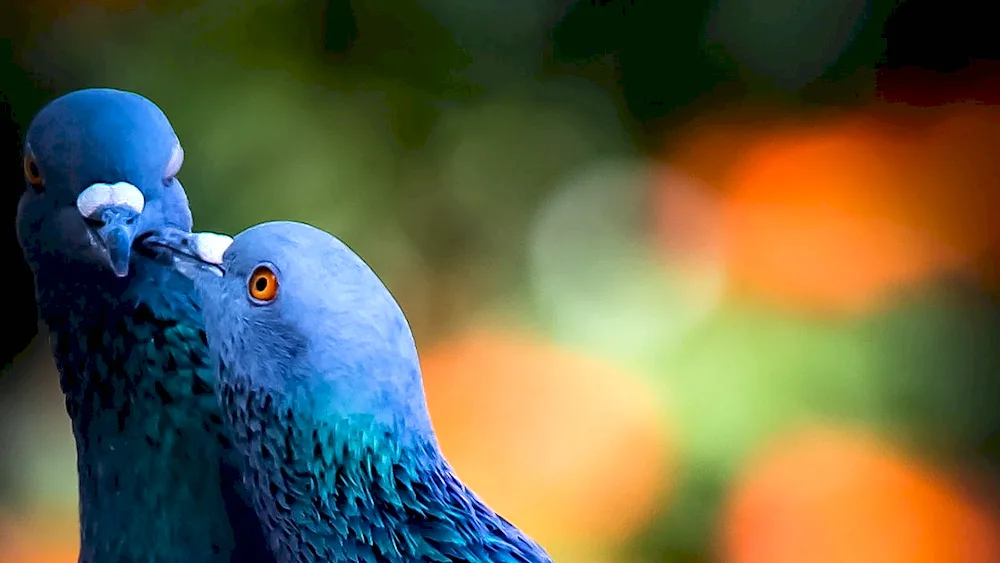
[[263, 284]]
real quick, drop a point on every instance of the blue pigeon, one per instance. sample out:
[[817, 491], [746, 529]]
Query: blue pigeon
[[320, 384], [158, 477]]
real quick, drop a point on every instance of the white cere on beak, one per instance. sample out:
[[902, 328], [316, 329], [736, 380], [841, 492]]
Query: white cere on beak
[[98, 196], [211, 246]]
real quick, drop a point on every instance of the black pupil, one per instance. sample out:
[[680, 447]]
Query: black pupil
[[260, 284], [33, 169]]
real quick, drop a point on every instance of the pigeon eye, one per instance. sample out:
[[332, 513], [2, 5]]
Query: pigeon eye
[[32, 173], [263, 285]]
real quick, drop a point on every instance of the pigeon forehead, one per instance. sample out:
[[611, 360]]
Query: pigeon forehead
[[100, 121], [284, 243]]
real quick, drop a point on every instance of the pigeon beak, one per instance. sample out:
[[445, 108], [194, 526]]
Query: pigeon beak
[[112, 211], [194, 253], [117, 234]]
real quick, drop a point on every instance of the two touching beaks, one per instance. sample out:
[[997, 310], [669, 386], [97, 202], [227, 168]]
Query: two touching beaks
[[113, 211]]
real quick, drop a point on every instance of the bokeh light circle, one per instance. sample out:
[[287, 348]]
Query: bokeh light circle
[[833, 496], [568, 448], [598, 273]]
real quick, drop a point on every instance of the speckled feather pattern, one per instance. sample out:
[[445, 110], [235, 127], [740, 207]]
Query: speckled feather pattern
[[150, 446], [351, 492]]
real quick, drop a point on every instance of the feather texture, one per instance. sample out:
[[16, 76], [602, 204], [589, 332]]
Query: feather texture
[[350, 491], [157, 477]]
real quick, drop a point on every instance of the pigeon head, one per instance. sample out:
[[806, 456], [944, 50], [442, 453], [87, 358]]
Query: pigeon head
[[292, 311], [100, 167]]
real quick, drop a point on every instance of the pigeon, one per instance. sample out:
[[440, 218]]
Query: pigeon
[[321, 389], [159, 479]]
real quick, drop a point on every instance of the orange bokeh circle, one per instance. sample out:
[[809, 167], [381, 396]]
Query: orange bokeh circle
[[564, 446], [46, 537], [824, 496], [836, 213]]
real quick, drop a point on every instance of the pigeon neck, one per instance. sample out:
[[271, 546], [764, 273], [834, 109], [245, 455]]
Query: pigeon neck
[[77, 294], [131, 370], [359, 487]]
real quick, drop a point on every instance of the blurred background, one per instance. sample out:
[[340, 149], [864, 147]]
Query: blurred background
[[691, 281]]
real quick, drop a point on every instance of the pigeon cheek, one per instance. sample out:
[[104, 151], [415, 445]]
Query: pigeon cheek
[[221, 313], [65, 237]]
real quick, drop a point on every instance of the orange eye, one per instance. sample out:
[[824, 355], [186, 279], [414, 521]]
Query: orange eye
[[31, 171], [263, 285]]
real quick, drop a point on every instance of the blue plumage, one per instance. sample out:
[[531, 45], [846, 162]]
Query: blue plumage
[[320, 383], [157, 477]]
